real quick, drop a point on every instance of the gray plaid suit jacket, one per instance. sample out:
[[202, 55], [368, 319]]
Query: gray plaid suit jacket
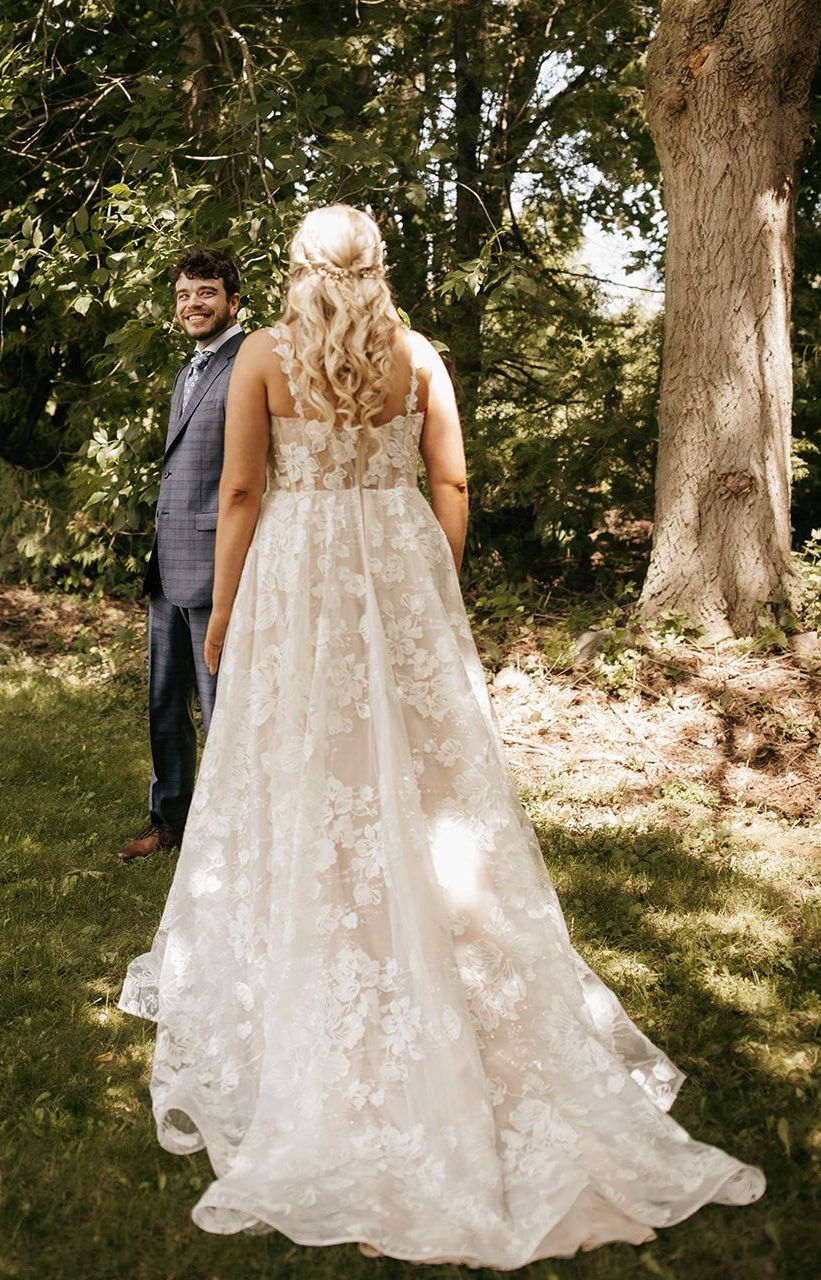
[[182, 557]]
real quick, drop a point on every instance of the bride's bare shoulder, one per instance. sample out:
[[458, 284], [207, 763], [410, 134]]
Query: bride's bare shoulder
[[425, 357], [424, 351], [264, 340], [262, 349], [260, 361]]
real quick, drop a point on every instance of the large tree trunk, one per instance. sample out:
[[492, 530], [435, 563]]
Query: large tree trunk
[[470, 224], [487, 165], [727, 86], [199, 57]]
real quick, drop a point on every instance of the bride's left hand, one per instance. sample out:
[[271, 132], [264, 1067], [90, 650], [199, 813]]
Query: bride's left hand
[[214, 641]]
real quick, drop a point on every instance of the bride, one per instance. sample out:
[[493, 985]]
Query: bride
[[368, 1008]]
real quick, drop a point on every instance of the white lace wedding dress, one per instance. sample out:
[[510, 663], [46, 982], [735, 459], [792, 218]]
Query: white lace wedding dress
[[368, 1008]]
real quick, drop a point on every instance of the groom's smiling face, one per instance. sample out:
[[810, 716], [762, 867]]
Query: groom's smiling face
[[203, 308]]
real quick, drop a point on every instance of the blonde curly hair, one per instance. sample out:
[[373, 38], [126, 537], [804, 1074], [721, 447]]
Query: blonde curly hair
[[341, 315]]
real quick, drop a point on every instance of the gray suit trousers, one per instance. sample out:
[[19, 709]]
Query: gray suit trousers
[[176, 674]]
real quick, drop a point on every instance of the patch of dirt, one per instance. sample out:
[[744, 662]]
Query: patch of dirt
[[702, 728], [49, 624], [723, 733]]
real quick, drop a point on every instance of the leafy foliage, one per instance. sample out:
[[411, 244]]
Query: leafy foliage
[[482, 136]]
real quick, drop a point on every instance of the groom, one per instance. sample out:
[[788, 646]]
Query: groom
[[180, 572]]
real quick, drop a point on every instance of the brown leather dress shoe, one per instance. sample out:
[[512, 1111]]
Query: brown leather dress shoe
[[153, 838]]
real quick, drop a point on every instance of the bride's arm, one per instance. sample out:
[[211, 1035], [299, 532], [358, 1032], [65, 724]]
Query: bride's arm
[[443, 453], [242, 483]]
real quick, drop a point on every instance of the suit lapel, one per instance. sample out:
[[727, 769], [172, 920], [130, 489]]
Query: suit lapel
[[176, 397], [181, 417]]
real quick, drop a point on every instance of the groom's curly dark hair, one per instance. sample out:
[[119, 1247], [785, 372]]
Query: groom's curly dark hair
[[202, 263]]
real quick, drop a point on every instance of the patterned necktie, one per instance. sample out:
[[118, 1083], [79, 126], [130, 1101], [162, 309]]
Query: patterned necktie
[[198, 362]]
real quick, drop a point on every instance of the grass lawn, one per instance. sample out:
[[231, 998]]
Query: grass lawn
[[700, 917]]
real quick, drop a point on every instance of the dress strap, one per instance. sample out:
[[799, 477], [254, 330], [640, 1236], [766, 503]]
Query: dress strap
[[285, 350], [410, 398]]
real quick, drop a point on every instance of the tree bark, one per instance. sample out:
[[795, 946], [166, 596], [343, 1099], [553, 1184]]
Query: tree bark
[[726, 97], [486, 166], [470, 224], [199, 57]]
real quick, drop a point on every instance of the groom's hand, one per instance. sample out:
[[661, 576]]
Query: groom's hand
[[214, 641]]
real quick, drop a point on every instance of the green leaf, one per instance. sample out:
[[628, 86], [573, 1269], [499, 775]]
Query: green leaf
[[783, 1131], [416, 195], [82, 304], [81, 219], [528, 286]]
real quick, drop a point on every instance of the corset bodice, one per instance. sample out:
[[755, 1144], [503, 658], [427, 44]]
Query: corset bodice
[[307, 454]]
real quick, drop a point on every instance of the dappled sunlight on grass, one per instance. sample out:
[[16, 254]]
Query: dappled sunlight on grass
[[745, 921], [784, 1062], [744, 995], [626, 969], [14, 686], [703, 928]]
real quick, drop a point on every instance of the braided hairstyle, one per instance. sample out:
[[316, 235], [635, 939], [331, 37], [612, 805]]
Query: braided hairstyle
[[342, 317]]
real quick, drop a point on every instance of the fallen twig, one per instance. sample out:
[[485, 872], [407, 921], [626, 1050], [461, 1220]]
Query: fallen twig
[[655, 755], [558, 757]]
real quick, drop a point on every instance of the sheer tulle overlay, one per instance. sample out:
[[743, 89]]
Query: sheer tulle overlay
[[368, 1008]]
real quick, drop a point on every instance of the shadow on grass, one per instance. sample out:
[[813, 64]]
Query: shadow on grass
[[89, 1195], [719, 967]]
